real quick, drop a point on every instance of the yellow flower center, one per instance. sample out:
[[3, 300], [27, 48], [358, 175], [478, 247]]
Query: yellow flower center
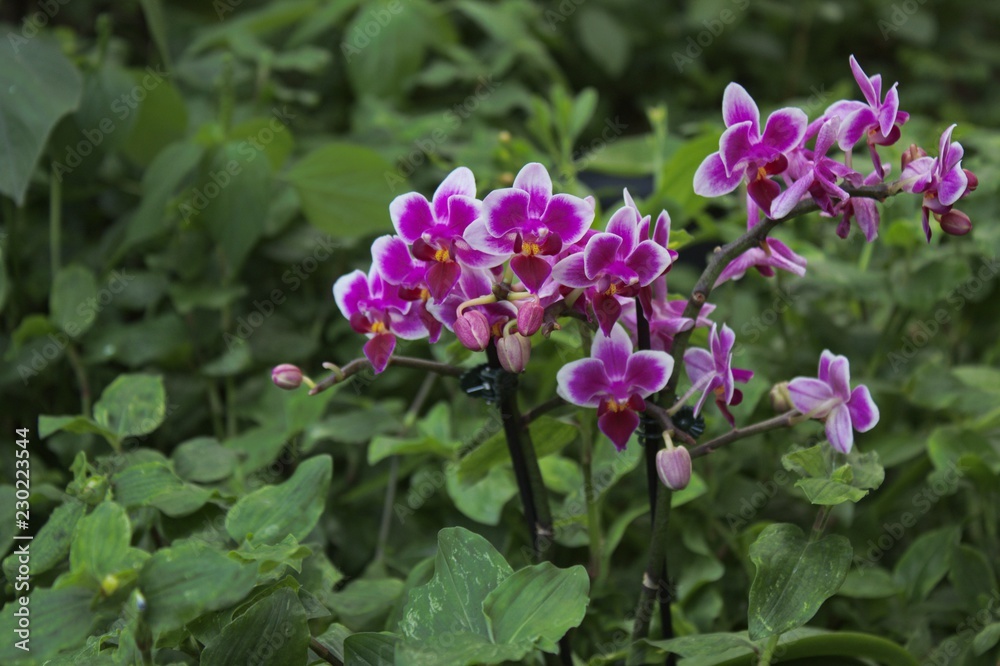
[[442, 255], [425, 294], [615, 406], [612, 290], [530, 249], [761, 173], [378, 327]]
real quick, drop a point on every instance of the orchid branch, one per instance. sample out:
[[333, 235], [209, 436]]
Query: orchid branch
[[339, 374], [785, 420]]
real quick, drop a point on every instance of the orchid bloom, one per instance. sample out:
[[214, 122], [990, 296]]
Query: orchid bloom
[[434, 230], [531, 223], [374, 308], [879, 119], [817, 177], [713, 371], [941, 180], [862, 208], [667, 320], [745, 152], [615, 380], [830, 399], [770, 254], [614, 263]]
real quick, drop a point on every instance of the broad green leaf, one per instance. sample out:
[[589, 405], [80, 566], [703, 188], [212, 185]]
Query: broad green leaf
[[51, 545], [60, 619], [704, 645], [459, 648], [829, 492], [101, 543], [362, 600], [153, 11], [78, 425], [161, 180], [203, 460], [868, 583], [273, 559], [132, 405], [986, 638], [370, 649], [972, 576], [72, 302], [161, 115], [155, 484], [538, 602], [346, 189], [272, 632], [467, 568], [269, 514], [38, 86], [232, 200], [271, 133], [583, 110], [808, 462], [548, 435], [182, 582], [795, 575], [926, 562], [484, 500], [384, 446]]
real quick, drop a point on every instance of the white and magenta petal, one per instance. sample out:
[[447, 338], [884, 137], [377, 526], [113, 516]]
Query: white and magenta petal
[[783, 204], [391, 259], [570, 272], [614, 351], [809, 394], [349, 291], [713, 180], [867, 89], [736, 147], [887, 111], [568, 216], [625, 224], [825, 359], [785, 129], [583, 382], [534, 179], [411, 215], [600, 254], [952, 186], [460, 182], [738, 106], [648, 372], [854, 127], [839, 430], [462, 211], [649, 260], [479, 238], [840, 377], [864, 411]]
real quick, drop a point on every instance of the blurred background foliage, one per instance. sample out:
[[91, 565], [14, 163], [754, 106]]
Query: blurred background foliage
[[217, 165]]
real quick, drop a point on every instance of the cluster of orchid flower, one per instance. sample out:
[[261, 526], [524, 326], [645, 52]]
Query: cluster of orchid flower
[[498, 270]]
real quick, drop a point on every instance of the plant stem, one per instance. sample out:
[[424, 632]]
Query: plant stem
[[362, 364], [530, 486], [838, 644], [81, 378], [324, 652], [653, 587], [55, 224], [536, 411], [768, 654], [590, 496], [785, 420]]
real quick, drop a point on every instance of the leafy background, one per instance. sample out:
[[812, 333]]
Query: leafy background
[[241, 155]]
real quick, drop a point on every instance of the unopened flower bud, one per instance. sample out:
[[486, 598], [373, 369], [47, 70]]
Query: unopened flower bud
[[286, 376], [781, 399], [973, 182], [473, 330], [674, 467], [956, 223], [912, 153], [514, 350], [529, 317]]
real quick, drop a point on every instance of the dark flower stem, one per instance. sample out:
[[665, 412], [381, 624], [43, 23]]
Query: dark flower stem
[[699, 295], [528, 474], [362, 364], [324, 652]]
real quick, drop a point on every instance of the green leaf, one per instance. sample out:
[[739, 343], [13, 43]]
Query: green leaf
[[972, 576], [826, 492], [182, 582], [868, 583], [77, 425], [704, 645], [269, 514], [60, 619], [484, 500], [794, 577], [101, 543], [51, 545], [343, 188], [161, 180], [132, 405], [72, 302], [538, 602], [384, 446], [153, 11], [204, 460], [467, 568], [233, 199], [155, 484], [808, 462], [548, 434], [926, 562], [38, 86], [986, 638], [270, 134], [272, 632], [364, 599], [604, 39], [459, 648], [273, 559], [370, 649], [161, 118]]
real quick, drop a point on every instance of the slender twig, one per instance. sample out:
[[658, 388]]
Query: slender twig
[[785, 420], [552, 403], [363, 364], [323, 652]]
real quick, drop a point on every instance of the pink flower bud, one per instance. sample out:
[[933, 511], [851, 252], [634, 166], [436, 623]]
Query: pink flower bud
[[781, 399], [973, 182], [529, 317], [473, 330], [514, 350], [286, 376], [956, 223], [674, 467], [912, 153]]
